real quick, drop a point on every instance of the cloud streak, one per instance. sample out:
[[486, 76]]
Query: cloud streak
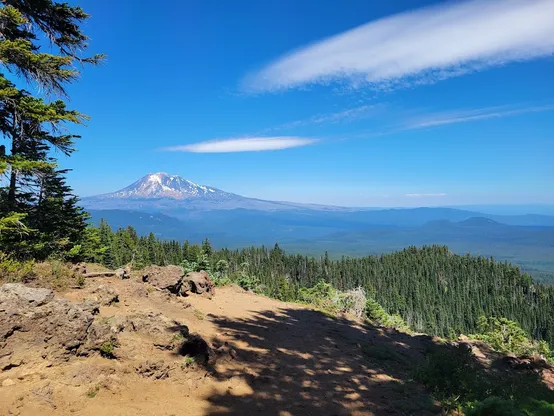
[[248, 144], [347, 115], [425, 195], [464, 116], [418, 47]]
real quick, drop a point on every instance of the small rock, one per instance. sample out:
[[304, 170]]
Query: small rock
[[155, 369], [8, 382], [106, 295]]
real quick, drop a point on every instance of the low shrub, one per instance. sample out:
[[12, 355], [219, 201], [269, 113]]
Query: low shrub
[[322, 295], [93, 391], [507, 336], [493, 406], [107, 349], [375, 313], [248, 282], [13, 271], [452, 376], [188, 362], [220, 280], [57, 275]]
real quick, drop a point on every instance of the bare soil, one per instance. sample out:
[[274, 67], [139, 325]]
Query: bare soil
[[271, 358]]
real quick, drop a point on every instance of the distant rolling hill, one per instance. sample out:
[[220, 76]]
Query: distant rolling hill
[[528, 246]]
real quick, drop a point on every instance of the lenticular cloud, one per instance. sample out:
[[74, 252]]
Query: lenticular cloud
[[419, 46], [249, 144]]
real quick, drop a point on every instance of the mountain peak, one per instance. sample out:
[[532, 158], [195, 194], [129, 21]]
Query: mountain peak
[[163, 185]]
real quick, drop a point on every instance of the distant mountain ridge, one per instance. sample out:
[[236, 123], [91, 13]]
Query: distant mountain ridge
[[175, 208]]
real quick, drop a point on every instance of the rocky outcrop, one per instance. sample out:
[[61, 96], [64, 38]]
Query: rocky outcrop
[[162, 331], [171, 278], [200, 283], [164, 278], [36, 326]]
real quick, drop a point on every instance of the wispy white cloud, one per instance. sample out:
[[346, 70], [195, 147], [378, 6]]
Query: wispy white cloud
[[248, 144], [415, 120], [464, 116], [421, 46], [425, 195], [347, 115]]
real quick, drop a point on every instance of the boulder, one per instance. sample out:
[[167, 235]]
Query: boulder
[[8, 383], [165, 333], [36, 326], [106, 295], [164, 277], [103, 332], [199, 283], [171, 278], [21, 296]]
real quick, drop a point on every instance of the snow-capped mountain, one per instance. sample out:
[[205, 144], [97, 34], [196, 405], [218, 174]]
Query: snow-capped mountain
[[173, 194], [163, 185]]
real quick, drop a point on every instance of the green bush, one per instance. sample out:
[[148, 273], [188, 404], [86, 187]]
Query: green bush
[[322, 295], [538, 408], [376, 314], [493, 406], [284, 291], [451, 376], [107, 349], [222, 266], [248, 282], [12, 270], [507, 336], [220, 280]]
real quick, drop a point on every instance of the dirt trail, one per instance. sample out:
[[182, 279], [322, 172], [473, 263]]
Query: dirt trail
[[285, 360]]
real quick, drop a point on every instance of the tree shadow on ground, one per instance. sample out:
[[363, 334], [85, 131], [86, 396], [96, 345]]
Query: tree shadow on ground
[[304, 362]]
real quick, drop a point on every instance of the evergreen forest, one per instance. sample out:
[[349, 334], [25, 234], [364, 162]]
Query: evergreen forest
[[433, 290]]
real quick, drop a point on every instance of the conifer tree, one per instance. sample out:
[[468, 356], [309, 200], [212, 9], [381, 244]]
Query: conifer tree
[[36, 198]]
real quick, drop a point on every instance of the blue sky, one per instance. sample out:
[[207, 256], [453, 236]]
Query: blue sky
[[404, 103]]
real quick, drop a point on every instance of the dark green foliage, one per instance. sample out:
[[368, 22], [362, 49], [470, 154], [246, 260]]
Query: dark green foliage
[[458, 380], [107, 349], [429, 289], [494, 406], [452, 376], [39, 216], [538, 408], [248, 282], [506, 336]]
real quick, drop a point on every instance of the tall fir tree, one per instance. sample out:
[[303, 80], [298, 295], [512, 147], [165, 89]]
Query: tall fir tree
[[38, 215]]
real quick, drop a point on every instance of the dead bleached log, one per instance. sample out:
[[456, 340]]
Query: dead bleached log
[[99, 274], [121, 273]]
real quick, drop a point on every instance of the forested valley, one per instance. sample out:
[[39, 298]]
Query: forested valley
[[433, 290]]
